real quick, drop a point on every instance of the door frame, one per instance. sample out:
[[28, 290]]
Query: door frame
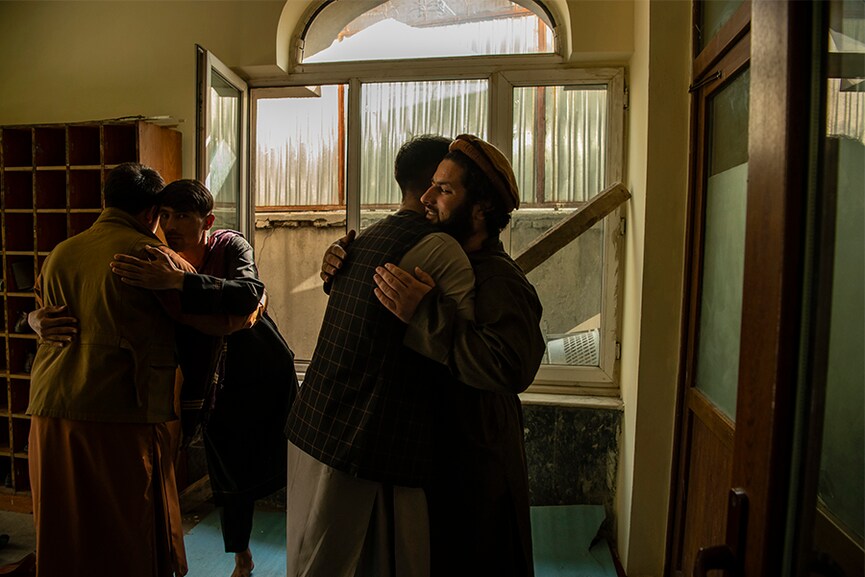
[[780, 161]]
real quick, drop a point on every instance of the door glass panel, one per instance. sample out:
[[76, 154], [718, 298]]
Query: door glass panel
[[713, 15], [559, 159], [841, 493], [393, 112], [723, 261], [224, 151]]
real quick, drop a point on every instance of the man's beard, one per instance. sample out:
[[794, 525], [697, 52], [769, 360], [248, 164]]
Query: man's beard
[[459, 224]]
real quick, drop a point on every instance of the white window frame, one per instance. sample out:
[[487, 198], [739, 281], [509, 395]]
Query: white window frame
[[207, 65], [504, 74]]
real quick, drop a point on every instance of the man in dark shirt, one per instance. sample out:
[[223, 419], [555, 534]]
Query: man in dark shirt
[[360, 432]]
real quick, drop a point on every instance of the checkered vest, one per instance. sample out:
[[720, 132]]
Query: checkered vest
[[366, 403]]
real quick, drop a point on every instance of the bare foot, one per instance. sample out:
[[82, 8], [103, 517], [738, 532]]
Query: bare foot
[[243, 564]]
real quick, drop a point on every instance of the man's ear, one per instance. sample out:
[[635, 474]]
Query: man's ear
[[151, 215], [208, 221], [479, 213]]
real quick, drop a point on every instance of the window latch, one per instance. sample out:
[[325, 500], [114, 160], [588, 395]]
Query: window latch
[[701, 83]]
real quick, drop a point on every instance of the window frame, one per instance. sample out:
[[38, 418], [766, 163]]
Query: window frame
[[504, 73]]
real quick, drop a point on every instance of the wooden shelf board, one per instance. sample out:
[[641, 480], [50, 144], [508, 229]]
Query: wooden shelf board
[[18, 168], [19, 211], [30, 336], [24, 376], [15, 501], [51, 168]]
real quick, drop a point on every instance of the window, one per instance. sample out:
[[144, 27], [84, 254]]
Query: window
[[221, 129], [398, 29], [325, 150]]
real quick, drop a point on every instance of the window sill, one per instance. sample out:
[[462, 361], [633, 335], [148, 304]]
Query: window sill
[[576, 401]]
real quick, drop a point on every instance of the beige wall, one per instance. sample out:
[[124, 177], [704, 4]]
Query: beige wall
[[71, 61], [657, 176]]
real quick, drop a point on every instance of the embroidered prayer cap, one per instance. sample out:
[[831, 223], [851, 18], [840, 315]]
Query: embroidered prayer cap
[[494, 164]]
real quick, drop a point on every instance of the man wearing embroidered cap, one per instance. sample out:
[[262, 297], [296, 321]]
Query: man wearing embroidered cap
[[478, 498]]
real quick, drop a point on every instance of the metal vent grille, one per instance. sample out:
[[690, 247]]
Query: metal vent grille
[[577, 349]]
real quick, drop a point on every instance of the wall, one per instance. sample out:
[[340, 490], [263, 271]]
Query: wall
[[657, 177], [72, 61]]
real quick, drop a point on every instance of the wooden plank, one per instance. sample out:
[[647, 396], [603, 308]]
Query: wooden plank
[[20, 502], [572, 227]]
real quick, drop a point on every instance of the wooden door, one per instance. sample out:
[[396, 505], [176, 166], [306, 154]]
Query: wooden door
[[720, 163], [746, 500]]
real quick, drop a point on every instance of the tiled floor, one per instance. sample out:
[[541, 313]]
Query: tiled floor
[[203, 540], [563, 542], [22, 539]]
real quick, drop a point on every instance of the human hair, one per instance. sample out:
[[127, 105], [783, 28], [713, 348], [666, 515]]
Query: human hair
[[417, 160], [480, 189], [187, 195], [133, 188]]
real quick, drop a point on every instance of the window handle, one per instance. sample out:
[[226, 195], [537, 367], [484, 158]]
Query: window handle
[[700, 83]]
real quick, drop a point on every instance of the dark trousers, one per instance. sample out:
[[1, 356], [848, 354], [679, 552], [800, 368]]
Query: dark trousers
[[235, 515]]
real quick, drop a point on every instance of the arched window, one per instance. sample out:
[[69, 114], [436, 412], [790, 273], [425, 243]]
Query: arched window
[[398, 29], [370, 75]]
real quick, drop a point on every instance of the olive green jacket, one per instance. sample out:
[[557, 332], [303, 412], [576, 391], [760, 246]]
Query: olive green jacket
[[121, 368]]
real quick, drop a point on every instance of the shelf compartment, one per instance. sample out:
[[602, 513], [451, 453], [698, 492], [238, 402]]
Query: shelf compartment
[[20, 274], [18, 232], [3, 366], [84, 146], [4, 399], [5, 468], [21, 355], [81, 221], [19, 395], [119, 141], [5, 441], [17, 147], [85, 189], [20, 434], [50, 190], [20, 474], [50, 146], [18, 190], [16, 322], [50, 230]]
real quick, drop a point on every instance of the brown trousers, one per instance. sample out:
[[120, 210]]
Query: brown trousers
[[105, 499]]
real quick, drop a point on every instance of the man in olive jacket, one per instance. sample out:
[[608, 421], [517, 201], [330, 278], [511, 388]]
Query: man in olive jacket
[[105, 500]]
